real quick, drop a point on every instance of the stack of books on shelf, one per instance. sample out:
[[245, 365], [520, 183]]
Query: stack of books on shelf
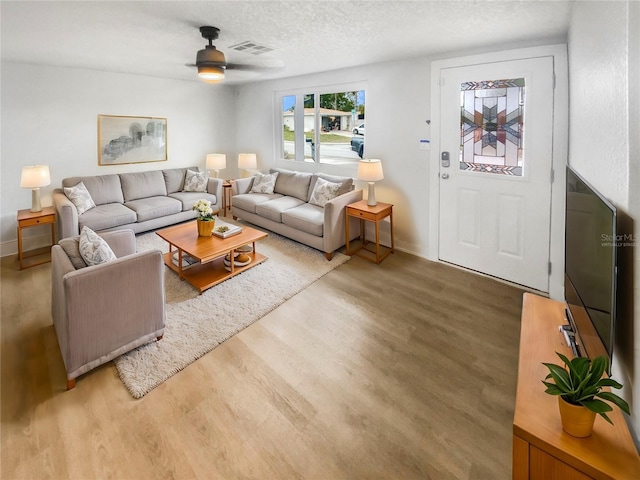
[[187, 260]]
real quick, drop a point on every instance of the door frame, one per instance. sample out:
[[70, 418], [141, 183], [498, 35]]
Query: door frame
[[559, 149]]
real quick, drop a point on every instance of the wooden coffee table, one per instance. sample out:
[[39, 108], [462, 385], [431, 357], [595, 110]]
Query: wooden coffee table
[[209, 253]]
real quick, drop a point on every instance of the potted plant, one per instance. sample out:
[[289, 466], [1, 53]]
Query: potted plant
[[579, 386], [206, 220]]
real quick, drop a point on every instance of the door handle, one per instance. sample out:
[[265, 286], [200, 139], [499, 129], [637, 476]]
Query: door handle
[[444, 176]]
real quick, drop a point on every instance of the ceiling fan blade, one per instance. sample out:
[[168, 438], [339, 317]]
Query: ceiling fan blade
[[242, 66]]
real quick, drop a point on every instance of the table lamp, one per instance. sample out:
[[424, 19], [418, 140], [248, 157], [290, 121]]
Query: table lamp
[[370, 170], [247, 162], [34, 177], [216, 162]]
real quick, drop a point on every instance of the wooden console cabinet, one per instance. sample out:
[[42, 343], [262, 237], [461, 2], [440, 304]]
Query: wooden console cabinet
[[541, 450]]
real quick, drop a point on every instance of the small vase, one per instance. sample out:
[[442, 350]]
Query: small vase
[[205, 227], [577, 420]]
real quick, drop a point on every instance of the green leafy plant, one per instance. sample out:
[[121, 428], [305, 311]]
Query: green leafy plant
[[580, 382]]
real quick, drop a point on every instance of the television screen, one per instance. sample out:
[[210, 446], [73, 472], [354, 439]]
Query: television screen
[[590, 266]]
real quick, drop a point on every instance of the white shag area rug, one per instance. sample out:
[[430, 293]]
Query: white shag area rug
[[196, 324]]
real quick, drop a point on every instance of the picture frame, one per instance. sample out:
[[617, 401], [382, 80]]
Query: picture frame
[[130, 139]]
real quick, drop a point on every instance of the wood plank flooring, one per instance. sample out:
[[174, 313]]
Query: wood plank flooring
[[403, 370]]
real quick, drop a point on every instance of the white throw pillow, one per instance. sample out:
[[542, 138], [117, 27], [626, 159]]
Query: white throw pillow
[[264, 183], [93, 249], [195, 181], [80, 197], [323, 191]]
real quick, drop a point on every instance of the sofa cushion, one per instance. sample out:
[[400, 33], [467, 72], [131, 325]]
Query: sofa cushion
[[306, 218], [273, 208], [195, 181], [102, 188], [80, 197], [154, 207], [346, 183], [294, 184], [93, 249], [264, 183], [189, 198], [71, 247], [248, 201], [174, 178], [142, 185], [323, 191], [106, 216]]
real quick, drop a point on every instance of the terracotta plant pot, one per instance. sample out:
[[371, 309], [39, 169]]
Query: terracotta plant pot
[[577, 420], [205, 227]]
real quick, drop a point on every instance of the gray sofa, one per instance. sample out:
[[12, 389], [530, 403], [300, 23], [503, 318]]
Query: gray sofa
[[287, 210], [139, 201]]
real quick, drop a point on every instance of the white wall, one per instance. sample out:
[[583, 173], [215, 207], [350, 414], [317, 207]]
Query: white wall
[[603, 148], [49, 116], [397, 108]]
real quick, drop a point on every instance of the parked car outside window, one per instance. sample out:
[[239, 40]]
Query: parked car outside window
[[357, 145], [359, 130]]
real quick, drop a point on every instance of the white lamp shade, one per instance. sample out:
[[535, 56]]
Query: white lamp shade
[[216, 161], [247, 161], [370, 170], [35, 176]]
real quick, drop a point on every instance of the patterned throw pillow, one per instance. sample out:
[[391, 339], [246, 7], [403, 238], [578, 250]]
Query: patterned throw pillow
[[80, 197], [195, 181], [264, 183], [93, 249], [323, 191]]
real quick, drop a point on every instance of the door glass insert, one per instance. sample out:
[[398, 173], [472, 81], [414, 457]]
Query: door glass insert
[[492, 126]]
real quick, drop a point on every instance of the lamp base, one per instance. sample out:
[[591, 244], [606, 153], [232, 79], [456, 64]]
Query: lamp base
[[35, 200], [371, 198]]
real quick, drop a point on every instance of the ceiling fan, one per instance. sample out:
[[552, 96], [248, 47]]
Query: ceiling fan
[[211, 62]]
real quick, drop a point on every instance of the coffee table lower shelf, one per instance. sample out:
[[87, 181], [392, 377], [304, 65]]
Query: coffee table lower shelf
[[206, 275]]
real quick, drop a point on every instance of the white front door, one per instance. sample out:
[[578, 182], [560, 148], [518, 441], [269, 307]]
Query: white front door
[[495, 187]]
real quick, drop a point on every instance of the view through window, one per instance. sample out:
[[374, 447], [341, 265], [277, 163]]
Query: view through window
[[332, 124]]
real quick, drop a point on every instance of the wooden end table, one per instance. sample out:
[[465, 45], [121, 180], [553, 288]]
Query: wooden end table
[[28, 219], [371, 214], [227, 193]]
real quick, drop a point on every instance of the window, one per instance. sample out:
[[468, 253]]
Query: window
[[329, 128], [492, 126]]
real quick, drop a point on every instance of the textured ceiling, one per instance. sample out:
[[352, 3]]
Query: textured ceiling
[[159, 37]]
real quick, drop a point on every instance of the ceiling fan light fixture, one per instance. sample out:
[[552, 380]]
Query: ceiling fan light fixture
[[210, 74]]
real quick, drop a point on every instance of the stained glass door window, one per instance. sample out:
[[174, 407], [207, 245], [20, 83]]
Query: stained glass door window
[[492, 126]]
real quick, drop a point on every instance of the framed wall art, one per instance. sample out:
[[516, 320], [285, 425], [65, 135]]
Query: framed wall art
[[127, 139]]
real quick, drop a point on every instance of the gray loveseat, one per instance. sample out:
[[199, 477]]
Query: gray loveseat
[[139, 201], [287, 210]]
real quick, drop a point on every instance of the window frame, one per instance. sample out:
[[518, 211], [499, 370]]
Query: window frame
[[299, 137]]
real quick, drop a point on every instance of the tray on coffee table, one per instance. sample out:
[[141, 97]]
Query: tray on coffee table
[[209, 253]]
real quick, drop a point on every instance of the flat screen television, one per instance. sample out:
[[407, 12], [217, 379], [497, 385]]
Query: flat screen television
[[590, 268]]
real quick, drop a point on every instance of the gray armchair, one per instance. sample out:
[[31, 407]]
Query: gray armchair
[[102, 311]]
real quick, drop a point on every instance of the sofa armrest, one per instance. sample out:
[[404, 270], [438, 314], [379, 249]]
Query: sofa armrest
[[242, 185], [67, 214], [109, 305], [334, 212], [214, 186]]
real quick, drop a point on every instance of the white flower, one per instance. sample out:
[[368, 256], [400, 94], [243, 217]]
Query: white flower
[[203, 207]]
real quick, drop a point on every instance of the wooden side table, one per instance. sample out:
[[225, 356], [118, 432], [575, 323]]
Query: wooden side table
[[226, 196], [28, 219], [372, 214]]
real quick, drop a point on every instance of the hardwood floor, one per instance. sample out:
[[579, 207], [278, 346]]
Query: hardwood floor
[[401, 370]]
